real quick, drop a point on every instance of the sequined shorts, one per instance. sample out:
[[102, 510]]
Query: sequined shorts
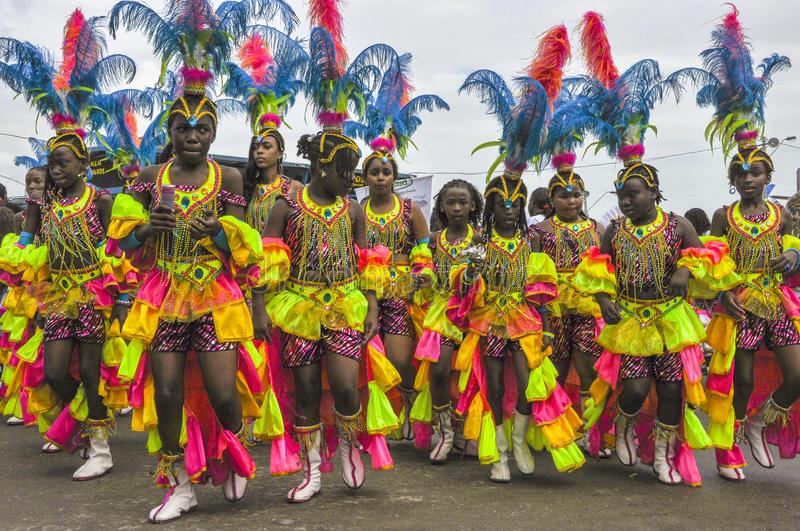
[[665, 368], [754, 330], [574, 332], [198, 335], [496, 347], [447, 342], [394, 318], [89, 327], [298, 351]]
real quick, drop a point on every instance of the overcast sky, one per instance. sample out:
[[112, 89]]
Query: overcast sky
[[449, 39]]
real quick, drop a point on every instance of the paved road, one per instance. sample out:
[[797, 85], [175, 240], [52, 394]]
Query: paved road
[[37, 493]]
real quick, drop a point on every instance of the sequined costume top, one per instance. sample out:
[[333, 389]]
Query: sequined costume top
[[394, 231], [263, 198]]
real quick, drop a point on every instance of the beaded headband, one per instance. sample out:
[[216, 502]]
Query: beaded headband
[[70, 139], [205, 107], [640, 170], [508, 198], [347, 144]]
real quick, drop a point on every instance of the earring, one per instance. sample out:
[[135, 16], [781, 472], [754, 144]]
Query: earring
[[323, 174], [732, 190]]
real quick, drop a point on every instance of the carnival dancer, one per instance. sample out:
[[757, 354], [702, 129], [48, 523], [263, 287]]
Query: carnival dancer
[[191, 360], [267, 78], [73, 287], [459, 207], [323, 280], [763, 310], [395, 222], [639, 276], [500, 298]]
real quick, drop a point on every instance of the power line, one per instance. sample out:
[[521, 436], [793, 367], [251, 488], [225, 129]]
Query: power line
[[2, 176]]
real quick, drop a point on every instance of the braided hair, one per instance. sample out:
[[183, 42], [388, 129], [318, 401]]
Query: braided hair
[[488, 213], [72, 140], [475, 196], [322, 145], [744, 158], [252, 173]]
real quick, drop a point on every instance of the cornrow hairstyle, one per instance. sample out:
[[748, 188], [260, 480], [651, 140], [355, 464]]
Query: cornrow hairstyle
[[474, 216], [341, 150], [488, 213], [251, 172], [744, 159], [645, 172]]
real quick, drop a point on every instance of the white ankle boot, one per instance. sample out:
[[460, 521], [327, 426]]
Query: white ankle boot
[[666, 444], [627, 452], [349, 427], [519, 444], [312, 479], [406, 429], [731, 474], [234, 486], [180, 497], [754, 431], [99, 461], [500, 472], [443, 426], [50, 448]]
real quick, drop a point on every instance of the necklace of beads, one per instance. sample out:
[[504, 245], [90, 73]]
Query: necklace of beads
[[753, 244], [642, 252], [387, 228], [67, 236], [449, 254], [571, 239], [261, 203], [327, 233], [506, 260]]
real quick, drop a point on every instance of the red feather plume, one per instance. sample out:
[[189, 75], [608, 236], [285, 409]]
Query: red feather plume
[[72, 32], [597, 50], [133, 127], [547, 66], [326, 14], [256, 59]]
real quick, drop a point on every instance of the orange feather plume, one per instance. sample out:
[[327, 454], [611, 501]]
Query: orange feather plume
[[547, 66], [133, 127], [326, 14], [597, 50], [72, 32]]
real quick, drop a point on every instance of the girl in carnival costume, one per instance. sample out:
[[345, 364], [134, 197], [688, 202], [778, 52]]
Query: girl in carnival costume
[[73, 288], [639, 276], [565, 236], [763, 308], [191, 360], [397, 223], [499, 298], [458, 207], [269, 75], [323, 280]]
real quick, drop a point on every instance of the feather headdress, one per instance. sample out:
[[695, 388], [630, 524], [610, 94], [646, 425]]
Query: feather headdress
[[523, 118], [69, 95], [729, 83], [392, 115], [268, 77]]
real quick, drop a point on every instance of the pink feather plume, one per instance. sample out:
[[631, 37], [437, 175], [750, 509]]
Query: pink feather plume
[[634, 150], [269, 119], [256, 59], [597, 49], [564, 159], [72, 32], [331, 119], [382, 144], [547, 66], [326, 14]]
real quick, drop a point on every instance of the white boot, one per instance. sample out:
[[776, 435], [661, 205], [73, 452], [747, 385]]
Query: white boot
[[180, 497], [349, 453], [13, 421], [312, 479], [731, 474], [755, 427], [627, 452], [500, 472], [519, 444], [99, 461], [50, 448], [443, 425], [234, 486], [666, 443], [408, 396]]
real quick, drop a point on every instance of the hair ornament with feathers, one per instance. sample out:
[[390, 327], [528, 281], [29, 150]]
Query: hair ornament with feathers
[[729, 84], [523, 116], [199, 38], [71, 95], [392, 115]]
